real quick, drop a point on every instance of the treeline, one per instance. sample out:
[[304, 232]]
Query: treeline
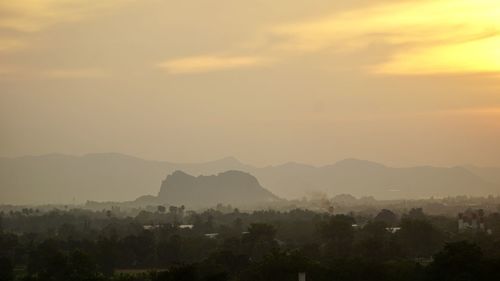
[[175, 244]]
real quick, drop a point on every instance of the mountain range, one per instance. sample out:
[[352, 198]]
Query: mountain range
[[57, 178]]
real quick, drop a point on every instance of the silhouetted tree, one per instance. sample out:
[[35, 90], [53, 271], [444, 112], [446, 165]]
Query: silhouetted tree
[[338, 235], [419, 238], [387, 216], [81, 267], [374, 238], [416, 213], [261, 240], [6, 269], [1, 223], [178, 273], [261, 231], [459, 261]]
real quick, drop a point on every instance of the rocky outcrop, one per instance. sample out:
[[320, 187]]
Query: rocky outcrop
[[231, 187]]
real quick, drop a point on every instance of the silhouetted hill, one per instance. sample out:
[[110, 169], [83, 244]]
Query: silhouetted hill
[[231, 187], [58, 178]]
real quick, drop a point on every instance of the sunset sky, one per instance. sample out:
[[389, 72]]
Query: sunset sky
[[402, 82]]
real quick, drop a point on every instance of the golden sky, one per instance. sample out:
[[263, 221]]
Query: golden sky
[[402, 82]]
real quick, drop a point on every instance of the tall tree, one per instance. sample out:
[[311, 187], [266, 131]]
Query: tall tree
[[338, 234]]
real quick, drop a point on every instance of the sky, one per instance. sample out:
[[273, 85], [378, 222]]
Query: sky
[[402, 82]]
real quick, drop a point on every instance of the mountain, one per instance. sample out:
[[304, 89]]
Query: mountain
[[58, 178], [491, 174], [362, 178], [231, 187]]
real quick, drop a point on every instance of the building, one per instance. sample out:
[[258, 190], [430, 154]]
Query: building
[[471, 220]]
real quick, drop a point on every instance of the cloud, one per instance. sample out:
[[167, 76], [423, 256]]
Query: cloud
[[480, 56], [34, 15], [20, 20], [411, 37], [423, 37], [200, 64], [396, 37]]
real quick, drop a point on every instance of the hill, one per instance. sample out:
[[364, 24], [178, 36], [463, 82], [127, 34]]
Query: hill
[[231, 187], [362, 178], [491, 174], [60, 178]]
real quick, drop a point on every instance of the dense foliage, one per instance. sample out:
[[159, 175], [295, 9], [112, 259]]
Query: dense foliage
[[222, 244]]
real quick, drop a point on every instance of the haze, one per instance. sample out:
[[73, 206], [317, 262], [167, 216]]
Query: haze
[[397, 82]]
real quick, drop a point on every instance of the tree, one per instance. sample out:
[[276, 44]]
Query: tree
[[338, 234], [67, 231], [238, 225], [139, 250], [175, 212], [459, 261], [261, 231], [107, 254], [387, 216], [6, 269], [8, 244], [170, 250], [493, 222], [81, 267], [161, 209], [419, 238], [278, 266], [178, 273], [374, 238], [375, 230], [209, 225], [48, 262], [260, 239], [1, 223], [416, 213]]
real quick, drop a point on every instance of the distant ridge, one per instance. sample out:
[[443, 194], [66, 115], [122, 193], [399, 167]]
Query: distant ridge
[[59, 178], [491, 174]]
